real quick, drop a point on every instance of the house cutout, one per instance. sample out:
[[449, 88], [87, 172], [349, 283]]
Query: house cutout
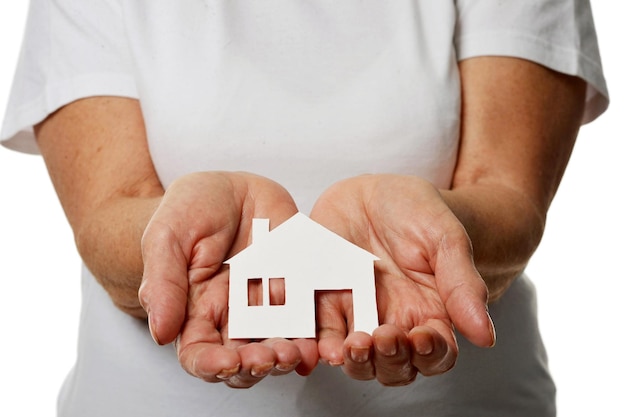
[[300, 257]]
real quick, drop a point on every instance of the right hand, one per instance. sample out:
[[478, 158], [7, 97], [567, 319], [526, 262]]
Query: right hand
[[204, 219], [426, 281]]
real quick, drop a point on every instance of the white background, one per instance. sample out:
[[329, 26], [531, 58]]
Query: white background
[[578, 270]]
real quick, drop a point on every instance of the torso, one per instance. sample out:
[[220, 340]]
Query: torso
[[304, 94]]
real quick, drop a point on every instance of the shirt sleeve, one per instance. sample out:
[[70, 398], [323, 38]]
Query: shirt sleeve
[[72, 49], [558, 34]]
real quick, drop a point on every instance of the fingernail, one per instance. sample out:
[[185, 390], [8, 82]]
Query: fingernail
[[152, 326], [425, 345], [286, 367], [493, 333], [386, 345], [227, 373], [333, 360], [261, 370], [425, 349], [359, 355]]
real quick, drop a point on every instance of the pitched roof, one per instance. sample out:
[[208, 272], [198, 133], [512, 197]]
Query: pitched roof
[[300, 233]]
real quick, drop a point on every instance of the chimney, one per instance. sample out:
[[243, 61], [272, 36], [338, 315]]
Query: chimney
[[260, 229]]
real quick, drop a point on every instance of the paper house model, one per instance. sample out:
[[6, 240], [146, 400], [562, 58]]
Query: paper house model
[[302, 257]]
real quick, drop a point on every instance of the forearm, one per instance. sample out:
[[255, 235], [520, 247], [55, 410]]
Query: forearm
[[505, 228], [519, 125], [109, 242], [97, 155]]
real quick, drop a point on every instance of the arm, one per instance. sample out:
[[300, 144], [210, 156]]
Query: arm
[[519, 125], [97, 157], [441, 250], [163, 251]]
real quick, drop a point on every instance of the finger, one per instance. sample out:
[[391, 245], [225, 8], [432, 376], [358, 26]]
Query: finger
[[392, 356], [164, 287], [257, 361], [309, 355], [332, 327], [431, 352], [330, 346], [202, 353], [211, 362], [358, 356], [463, 290], [286, 353]]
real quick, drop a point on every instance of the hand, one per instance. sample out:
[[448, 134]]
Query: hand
[[203, 219], [426, 281]]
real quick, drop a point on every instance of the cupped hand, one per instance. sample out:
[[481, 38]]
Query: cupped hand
[[426, 282], [204, 219]]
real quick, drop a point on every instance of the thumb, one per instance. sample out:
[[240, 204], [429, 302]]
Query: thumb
[[164, 287], [464, 292]]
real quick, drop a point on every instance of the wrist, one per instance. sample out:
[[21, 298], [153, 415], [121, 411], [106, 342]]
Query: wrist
[[109, 243], [504, 226]]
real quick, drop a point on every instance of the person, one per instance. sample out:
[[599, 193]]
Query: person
[[433, 134]]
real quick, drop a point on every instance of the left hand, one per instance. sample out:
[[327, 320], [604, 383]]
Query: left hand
[[204, 218], [426, 281]]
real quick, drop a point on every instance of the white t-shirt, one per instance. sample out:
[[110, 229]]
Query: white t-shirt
[[306, 93]]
